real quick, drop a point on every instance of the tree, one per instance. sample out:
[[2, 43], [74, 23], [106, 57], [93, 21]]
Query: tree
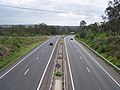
[[82, 24], [113, 15]]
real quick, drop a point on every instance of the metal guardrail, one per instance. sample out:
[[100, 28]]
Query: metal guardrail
[[117, 68]]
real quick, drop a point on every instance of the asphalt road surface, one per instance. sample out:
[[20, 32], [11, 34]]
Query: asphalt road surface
[[86, 72], [28, 72]]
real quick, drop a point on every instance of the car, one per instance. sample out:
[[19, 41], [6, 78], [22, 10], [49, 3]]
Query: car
[[51, 44], [71, 38]]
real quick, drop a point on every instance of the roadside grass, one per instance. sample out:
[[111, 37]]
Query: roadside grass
[[18, 51]]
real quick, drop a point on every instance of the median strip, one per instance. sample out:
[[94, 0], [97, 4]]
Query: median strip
[[57, 81]]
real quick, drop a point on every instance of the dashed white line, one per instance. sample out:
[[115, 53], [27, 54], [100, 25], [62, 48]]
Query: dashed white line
[[87, 69], [37, 58], [80, 57], [43, 50], [26, 71]]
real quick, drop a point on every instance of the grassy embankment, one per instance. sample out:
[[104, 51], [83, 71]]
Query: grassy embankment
[[11, 49], [104, 43]]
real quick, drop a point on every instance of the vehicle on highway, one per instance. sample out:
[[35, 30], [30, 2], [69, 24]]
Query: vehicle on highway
[[71, 38], [51, 44]]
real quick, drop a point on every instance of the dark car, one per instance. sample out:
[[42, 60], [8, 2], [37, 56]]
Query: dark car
[[51, 44], [71, 38]]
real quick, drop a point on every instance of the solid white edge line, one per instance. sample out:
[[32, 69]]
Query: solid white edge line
[[69, 66], [99, 65], [39, 85], [26, 71], [22, 59]]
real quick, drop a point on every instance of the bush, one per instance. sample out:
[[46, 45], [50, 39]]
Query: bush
[[107, 34], [104, 55], [92, 37], [108, 48], [58, 74], [82, 34], [77, 36], [101, 49], [96, 47]]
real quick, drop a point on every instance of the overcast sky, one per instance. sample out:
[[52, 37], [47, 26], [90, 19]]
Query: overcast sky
[[76, 10]]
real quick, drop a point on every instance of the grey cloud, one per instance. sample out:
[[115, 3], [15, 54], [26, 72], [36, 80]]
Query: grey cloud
[[10, 15]]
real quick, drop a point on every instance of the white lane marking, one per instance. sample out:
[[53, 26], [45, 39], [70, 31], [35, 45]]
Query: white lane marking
[[99, 89], [73, 88], [88, 69], [22, 60], [80, 57], [26, 71], [99, 65], [37, 58], [39, 85]]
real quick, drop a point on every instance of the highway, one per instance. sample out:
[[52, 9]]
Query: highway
[[29, 72], [85, 72], [32, 71]]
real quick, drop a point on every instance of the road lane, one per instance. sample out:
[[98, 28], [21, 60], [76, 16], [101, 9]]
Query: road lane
[[20, 79], [86, 73]]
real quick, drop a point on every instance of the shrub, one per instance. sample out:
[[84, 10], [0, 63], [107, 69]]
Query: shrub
[[77, 36], [110, 58], [101, 49], [82, 34], [96, 47], [108, 48], [92, 37], [58, 74], [104, 55]]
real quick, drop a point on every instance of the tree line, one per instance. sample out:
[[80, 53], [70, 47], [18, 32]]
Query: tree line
[[33, 30], [28, 30], [111, 20]]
